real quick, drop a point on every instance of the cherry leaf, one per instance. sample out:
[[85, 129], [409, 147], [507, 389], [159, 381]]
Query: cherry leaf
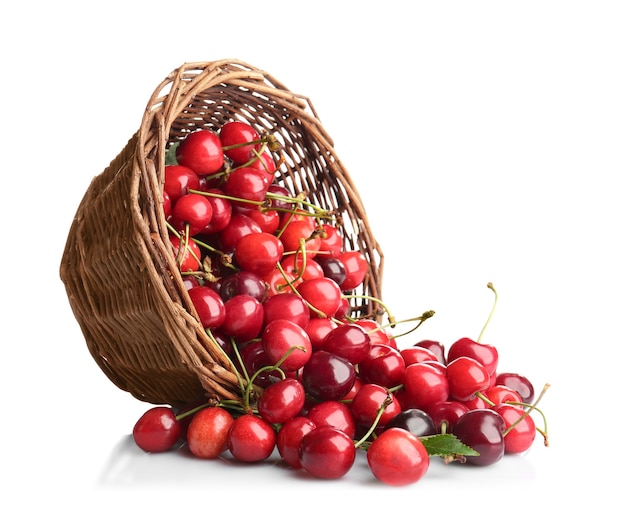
[[447, 446]]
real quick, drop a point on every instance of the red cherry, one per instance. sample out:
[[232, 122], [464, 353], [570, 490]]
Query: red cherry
[[384, 365], [157, 430], [519, 383], [281, 401], [258, 252], [234, 136], [265, 162], [286, 341], [333, 413], [243, 318], [331, 241], [414, 354], [521, 430], [447, 412], [306, 270], [424, 386], [202, 152], [368, 401], [289, 438], [167, 204], [435, 347], [191, 211], [356, 269], [323, 294], [486, 354], [396, 457], [287, 306], [268, 220], [209, 306], [222, 212], [481, 430], [349, 341], [466, 376], [251, 438], [248, 185], [297, 232], [327, 453], [498, 394], [317, 329], [239, 226], [178, 180], [207, 434], [327, 376]]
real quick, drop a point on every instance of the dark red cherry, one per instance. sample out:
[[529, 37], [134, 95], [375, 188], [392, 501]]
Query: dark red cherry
[[519, 383], [327, 376], [482, 430]]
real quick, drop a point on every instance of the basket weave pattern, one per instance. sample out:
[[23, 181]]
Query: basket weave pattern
[[118, 267]]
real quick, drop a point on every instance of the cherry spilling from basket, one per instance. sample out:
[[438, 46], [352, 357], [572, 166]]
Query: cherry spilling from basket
[[272, 281]]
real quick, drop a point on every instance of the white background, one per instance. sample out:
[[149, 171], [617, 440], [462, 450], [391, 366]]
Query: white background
[[487, 142]]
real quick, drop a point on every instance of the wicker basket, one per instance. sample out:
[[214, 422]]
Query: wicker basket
[[118, 267]]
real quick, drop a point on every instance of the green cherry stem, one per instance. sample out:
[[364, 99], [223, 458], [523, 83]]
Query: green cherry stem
[[372, 428], [493, 308]]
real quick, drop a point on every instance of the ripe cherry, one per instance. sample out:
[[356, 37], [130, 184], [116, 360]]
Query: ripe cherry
[[209, 306], [207, 434], [318, 329], [424, 386], [384, 365], [486, 354], [281, 401], [482, 430], [414, 420], [201, 151], [289, 438], [239, 226], [323, 294], [414, 354], [222, 212], [446, 413], [157, 430], [327, 376], [193, 212], [239, 141], [435, 347], [186, 252], [286, 341], [248, 186], [519, 383], [251, 438], [367, 403], [243, 318], [349, 341], [356, 269], [242, 283], [397, 457], [335, 414], [466, 376], [520, 428], [178, 180], [327, 453], [288, 306], [258, 252]]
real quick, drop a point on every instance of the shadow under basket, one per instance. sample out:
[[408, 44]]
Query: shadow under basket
[[118, 266]]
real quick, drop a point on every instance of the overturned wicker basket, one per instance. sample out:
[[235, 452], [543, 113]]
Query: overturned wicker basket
[[117, 266]]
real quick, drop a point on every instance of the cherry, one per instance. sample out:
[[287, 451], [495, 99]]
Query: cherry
[[384, 365], [520, 428], [243, 317], [481, 430], [248, 186], [286, 341], [327, 452], [222, 212], [242, 283], [486, 354], [265, 162], [258, 252], [424, 386], [193, 212], [268, 220], [281, 401], [435, 347], [349, 341], [187, 253], [499, 393], [239, 226], [306, 270], [333, 268], [178, 180], [235, 136], [300, 231], [367, 403], [333, 413], [288, 306], [445, 414], [416, 421], [519, 383], [397, 457], [207, 434], [327, 376], [209, 306], [254, 358], [251, 438], [167, 204], [201, 151], [157, 430], [318, 329], [414, 354], [466, 376], [376, 332], [356, 269], [323, 294], [289, 438], [331, 242]]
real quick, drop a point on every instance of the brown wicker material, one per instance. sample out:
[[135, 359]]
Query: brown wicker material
[[118, 267]]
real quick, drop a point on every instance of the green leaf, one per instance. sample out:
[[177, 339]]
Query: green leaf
[[170, 155], [447, 446]]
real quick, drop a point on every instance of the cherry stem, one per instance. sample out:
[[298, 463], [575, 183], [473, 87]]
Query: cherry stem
[[531, 407], [493, 308], [420, 320]]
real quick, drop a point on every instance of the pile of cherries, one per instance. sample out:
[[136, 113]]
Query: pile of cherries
[[271, 282]]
